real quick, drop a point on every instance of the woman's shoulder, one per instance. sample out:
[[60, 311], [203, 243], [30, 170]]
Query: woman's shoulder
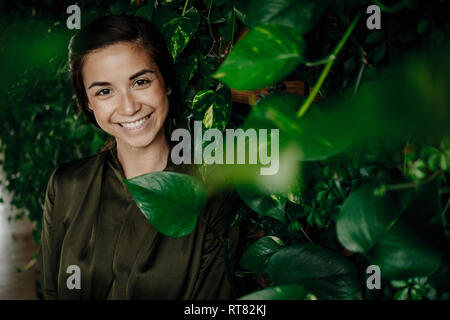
[[79, 170]]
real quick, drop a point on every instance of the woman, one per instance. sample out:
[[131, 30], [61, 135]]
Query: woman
[[125, 84]]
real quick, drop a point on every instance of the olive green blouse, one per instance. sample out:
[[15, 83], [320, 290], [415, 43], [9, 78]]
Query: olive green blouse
[[91, 221]]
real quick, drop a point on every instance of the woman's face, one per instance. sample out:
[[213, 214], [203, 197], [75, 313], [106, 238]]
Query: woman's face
[[126, 92]]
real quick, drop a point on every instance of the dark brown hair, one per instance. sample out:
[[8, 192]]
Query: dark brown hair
[[110, 30]]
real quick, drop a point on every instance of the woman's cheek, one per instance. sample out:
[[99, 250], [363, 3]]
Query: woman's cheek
[[105, 107]]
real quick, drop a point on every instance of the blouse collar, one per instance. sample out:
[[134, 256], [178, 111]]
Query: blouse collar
[[116, 166]]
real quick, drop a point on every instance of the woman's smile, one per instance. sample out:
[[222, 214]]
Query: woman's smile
[[127, 93], [135, 125]]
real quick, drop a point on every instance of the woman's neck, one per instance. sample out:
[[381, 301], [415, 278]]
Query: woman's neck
[[138, 161]]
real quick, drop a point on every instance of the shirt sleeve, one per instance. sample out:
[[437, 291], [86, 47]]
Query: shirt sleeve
[[46, 265], [215, 279]]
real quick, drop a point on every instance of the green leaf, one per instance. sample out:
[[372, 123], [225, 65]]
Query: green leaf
[[322, 272], [379, 52], [212, 108], [301, 15], [445, 161], [422, 26], [258, 253], [394, 230], [226, 29], [403, 253], [417, 170], [170, 201], [145, 11], [402, 294], [286, 292], [399, 284], [241, 8], [262, 202], [119, 7], [427, 151], [216, 16], [186, 69], [433, 161], [246, 67], [364, 218], [162, 15], [319, 134], [179, 31], [374, 37]]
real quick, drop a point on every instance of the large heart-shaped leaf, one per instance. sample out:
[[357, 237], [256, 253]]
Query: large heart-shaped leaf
[[170, 201], [318, 133], [258, 253], [365, 218], [264, 56], [301, 15], [324, 273], [394, 229], [404, 253], [286, 292], [179, 31]]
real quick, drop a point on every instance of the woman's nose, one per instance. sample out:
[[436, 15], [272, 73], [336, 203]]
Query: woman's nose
[[128, 105]]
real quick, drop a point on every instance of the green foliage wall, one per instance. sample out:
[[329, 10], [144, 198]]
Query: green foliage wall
[[370, 186]]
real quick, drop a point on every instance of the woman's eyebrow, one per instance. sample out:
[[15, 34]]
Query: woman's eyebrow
[[137, 74], [99, 84], [140, 73]]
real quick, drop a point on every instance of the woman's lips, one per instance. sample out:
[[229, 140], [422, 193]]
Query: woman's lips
[[135, 124]]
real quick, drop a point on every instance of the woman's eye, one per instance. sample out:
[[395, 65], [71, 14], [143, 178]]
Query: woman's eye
[[141, 82], [103, 92]]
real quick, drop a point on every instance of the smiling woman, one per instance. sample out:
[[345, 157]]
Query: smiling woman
[[127, 94], [125, 84]]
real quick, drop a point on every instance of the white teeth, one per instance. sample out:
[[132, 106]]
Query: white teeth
[[136, 124]]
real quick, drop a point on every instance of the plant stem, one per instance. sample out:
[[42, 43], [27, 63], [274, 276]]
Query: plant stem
[[446, 207], [210, 31], [442, 214], [323, 75], [413, 184], [337, 182], [352, 37], [358, 80], [209, 22], [184, 8], [306, 235], [319, 62], [404, 154], [219, 56], [233, 29]]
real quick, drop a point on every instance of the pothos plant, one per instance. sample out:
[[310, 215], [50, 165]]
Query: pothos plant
[[363, 202], [364, 154]]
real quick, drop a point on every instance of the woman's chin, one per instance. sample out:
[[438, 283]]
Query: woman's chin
[[141, 141]]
